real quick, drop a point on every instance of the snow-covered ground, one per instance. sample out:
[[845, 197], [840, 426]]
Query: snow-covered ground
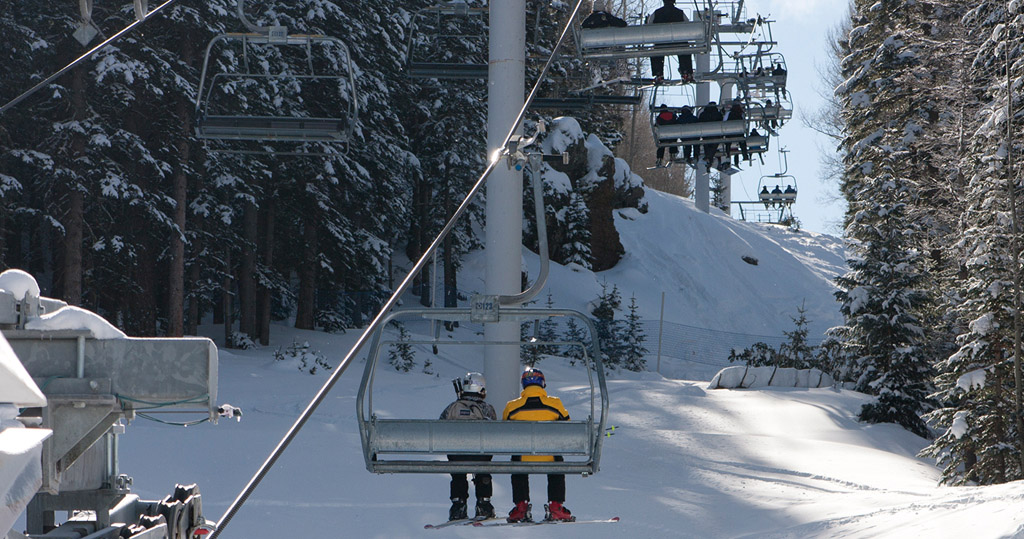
[[684, 461]]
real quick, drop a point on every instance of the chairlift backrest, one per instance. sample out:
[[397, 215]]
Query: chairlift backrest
[[644, 40]]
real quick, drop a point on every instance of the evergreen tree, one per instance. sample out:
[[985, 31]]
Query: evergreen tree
[[609, 330], [634, 352], [575, 334], [577, 242], [400, 354], [981, 429], [549, 329]]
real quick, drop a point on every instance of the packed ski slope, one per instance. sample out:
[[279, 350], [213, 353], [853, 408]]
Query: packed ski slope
[[684, 461]]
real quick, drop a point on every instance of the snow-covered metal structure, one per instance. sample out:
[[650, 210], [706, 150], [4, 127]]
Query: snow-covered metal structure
[[90, 380]]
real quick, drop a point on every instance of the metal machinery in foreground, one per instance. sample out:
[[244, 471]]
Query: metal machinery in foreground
[[92, 386], [448, 41], [309, 77]]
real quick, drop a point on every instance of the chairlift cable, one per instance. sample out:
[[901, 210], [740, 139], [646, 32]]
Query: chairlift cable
[[321, 394], [83, 57]]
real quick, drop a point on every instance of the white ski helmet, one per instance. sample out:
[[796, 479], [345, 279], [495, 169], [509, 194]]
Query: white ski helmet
[[474, 382]]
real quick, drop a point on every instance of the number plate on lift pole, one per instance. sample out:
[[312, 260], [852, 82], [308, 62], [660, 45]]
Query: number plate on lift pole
[[484, 308]]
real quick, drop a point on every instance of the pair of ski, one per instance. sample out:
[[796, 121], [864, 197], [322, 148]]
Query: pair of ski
[[500, 521]]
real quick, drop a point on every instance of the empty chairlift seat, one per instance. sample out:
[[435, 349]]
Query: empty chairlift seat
[[304, 91], [448, 41], [644, 40]]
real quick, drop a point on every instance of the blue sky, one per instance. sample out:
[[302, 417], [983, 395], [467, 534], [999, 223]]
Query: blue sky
[[800, 27]]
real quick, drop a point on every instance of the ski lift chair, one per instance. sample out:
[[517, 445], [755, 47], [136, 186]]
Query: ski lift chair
[[240, 102], [445, 39], [763, 72], [421, 445], [771, 192], [636, 41]]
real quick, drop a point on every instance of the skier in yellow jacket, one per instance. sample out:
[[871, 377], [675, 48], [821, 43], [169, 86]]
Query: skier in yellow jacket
[[534, 404]]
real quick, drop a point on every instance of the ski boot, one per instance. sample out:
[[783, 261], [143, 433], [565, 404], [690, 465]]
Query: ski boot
[[484, 509], [557, 511], [458, 510], [520, 513]]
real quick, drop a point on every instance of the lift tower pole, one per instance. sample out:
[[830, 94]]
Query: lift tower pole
[[504, 227], [702, 180]]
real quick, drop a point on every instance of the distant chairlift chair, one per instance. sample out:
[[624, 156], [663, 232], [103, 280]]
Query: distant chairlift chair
[[442, 40], [228, 100]]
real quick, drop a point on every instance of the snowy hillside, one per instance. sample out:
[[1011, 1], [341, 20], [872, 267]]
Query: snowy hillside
[[697, 260]]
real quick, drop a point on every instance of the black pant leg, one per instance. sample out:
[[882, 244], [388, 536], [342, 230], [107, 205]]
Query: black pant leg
[[556, 488], [657, 66], [556, 485], [484, 488], [520, 484], [686, 63]]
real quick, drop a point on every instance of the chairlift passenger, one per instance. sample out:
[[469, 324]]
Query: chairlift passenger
[[670, 13], [710, 113], [691, 152], [736, 112], [601, 18], [666, 117]]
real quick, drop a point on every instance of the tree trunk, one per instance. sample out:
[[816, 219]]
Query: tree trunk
[[176, 273], [247, 272], [267, 254], [226, 300], [74, 215], [306, 309], [192, 321]]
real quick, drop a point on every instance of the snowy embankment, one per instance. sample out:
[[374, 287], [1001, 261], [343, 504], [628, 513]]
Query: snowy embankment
[[684, 461]]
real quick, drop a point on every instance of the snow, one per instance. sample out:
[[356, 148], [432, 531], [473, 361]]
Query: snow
[[751, 377], [563, 132], [16, 386], [76, 318], [684, 461], [21, 474], [971, 380], [19, 283]]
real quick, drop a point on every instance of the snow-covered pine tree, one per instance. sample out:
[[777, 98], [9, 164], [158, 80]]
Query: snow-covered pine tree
[[576, 247], [445, 122], [400, 355], [796, 350], [549, 328], [574, 334], [883, 295], [609, 330], [634, 352], [981, 428]]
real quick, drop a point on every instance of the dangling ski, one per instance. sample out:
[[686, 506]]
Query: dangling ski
[[539, 522], [460, 522]]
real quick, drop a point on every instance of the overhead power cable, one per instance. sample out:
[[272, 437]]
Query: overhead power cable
[[42, 84], [393, 300]]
